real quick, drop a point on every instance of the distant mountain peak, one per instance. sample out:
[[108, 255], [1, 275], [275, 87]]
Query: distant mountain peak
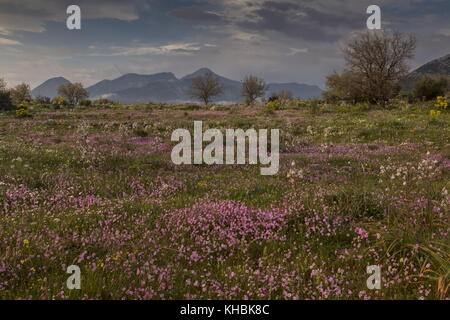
[[203, 70], [58, 79], [199, 72], [50, 87]]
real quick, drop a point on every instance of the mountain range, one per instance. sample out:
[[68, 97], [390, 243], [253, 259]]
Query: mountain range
[[166, 87]]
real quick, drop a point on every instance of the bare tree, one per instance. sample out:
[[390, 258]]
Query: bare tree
[[380, 58], [205, 87], [2, 84], [73, 93], [20, 93], [43, 99], [285, 96], [253, 88]]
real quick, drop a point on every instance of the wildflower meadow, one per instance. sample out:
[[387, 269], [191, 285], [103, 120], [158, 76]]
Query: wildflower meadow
[[96, 188]]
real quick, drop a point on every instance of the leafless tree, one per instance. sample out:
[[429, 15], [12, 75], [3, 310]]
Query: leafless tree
[[380, 58], [2, 84], [205, 87], [73, 93], [253, 88], [285, 96]]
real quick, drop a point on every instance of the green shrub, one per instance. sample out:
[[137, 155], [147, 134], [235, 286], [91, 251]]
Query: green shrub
[[59, 102], [430, 87], [273, 105], [22, 111], [85, 103], [406, 96], [103, 102], [140, 133], [5, 101], [273, 97]]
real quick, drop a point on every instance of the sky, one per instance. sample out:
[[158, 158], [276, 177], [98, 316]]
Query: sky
[[279, 40]]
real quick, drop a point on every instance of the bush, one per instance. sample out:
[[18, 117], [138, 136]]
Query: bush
[[85, 103], [435, 113], [273, 105], [301, 104], [59, 102], [273, 97], [103, 102], [22, 111], [43, 100], [140, 133], [347, 87], [406, 96], [314, 106], [5, 101], [441, 102], [430, 87]]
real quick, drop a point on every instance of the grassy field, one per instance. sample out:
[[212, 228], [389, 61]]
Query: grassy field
[[97, 188]]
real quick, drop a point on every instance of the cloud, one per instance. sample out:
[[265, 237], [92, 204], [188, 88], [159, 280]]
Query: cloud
[[294, 51], [298, 21], [444, 32], [197, 14], [174, 49], [43, 69], [32, 15], [9, 42], [248, 37]]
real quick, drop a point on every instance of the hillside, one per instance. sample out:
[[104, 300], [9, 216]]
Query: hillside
[[49, 88], [439, 66]]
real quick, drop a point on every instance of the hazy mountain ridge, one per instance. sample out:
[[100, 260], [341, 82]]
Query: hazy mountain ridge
[[165, 87], [440, 66]]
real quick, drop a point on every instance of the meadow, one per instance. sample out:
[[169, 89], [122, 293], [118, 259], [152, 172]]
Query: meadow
[[96, 187]]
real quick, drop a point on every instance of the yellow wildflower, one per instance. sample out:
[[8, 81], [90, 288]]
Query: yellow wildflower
[[435, 113]]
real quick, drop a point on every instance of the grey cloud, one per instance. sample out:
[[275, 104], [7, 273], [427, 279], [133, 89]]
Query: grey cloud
[[197, 14], [300, 21], [31, 15]]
